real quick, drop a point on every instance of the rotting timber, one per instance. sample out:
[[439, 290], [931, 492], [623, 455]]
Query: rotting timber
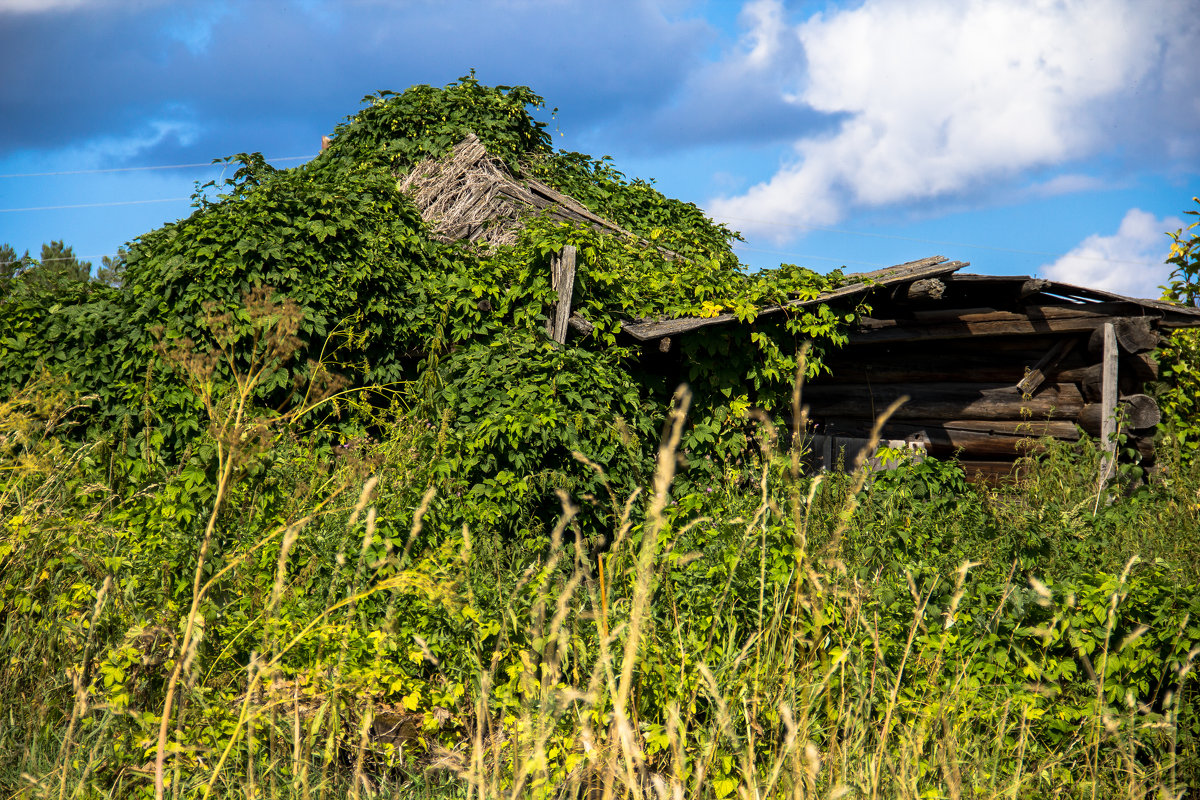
[[990, 365]]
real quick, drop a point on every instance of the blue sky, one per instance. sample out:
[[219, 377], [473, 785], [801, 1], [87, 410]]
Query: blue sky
[[1050, 137]]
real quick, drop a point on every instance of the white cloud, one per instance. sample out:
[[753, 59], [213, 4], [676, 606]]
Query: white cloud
[[1130, 262], [943, 97]]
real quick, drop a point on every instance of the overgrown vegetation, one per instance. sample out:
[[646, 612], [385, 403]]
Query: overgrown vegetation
[[1180, 357], [307, 504]]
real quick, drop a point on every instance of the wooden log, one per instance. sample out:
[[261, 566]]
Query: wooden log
[[1137, 412], [875, 331], [1033, 286], [1091, 381], [1024, 345], [1145, 448], [944, 401], [923, 291], [1096, 311], [905, 364], [1143, 365], [971, 444], [562, 280], [1058, 429], [983, 370], [581, 325], [845, 452], [1134, 335]]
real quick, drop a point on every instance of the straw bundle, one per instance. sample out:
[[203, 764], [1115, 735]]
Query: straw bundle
[[470, 196]]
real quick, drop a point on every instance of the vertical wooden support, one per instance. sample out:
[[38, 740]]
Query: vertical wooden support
[[1108, 402], [562, 280]]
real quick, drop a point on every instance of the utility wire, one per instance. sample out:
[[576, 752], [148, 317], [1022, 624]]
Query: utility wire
[[136, 169], [864, 234], [31, 260], [96, 205], [776, 223]]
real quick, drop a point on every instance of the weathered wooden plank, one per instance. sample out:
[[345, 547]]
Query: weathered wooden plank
[[934, 266], [1020, 325], [903, 369], [562, 280], [1108, 396], [1036, 376], [1108, 403]]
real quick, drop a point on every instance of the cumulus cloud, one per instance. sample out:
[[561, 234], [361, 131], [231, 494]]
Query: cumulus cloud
[[741, 96], [939, 98], [1129, 262]]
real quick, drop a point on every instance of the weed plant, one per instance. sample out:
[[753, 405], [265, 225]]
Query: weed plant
[[276, 619]]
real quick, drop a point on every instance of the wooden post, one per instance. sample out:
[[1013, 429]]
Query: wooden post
[[1108, 403], [562, 279]]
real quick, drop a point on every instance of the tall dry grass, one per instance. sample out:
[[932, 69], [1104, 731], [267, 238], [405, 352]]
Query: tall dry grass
[[821, 694]]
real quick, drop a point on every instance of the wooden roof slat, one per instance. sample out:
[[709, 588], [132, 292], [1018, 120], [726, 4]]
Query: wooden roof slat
[[1174, 316], [932, 267]]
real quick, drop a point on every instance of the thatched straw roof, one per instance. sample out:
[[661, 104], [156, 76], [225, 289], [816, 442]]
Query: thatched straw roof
[[470, 196]]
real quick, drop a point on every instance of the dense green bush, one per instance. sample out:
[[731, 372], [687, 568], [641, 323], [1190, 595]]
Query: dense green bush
[[1179, 358]]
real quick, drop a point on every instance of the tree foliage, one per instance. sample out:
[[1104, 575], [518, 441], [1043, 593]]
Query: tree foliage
[[450, 330], [1179, 358]]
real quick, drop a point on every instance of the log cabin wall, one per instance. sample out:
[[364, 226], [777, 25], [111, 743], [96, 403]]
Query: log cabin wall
[[991, 365]]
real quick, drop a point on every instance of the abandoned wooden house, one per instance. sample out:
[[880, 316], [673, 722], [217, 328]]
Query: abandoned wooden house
[[990, 364]]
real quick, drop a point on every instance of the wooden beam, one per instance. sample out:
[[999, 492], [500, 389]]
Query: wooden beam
[[580, 325], [944, 401], [1036, 376], [889, 331], [1058, 429]]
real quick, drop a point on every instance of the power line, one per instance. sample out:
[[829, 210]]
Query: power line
[[30, 259], [993, 248], [136, 169], [96, 205]]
